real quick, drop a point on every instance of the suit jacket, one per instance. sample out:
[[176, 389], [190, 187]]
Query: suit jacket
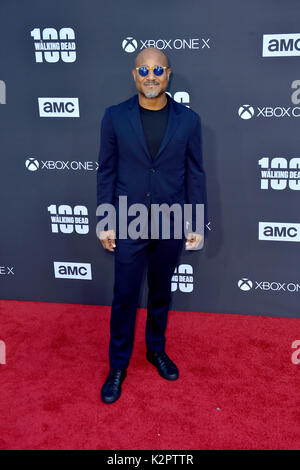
[[175, 175]]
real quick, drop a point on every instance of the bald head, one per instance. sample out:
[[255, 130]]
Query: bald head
[[151, 53]]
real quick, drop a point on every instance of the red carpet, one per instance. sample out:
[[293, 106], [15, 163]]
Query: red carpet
[[238, 388]]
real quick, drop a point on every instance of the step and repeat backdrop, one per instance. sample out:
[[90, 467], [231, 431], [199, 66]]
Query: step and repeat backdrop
[[236, 63]]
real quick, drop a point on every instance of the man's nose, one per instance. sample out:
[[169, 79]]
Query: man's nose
[[151, 74]]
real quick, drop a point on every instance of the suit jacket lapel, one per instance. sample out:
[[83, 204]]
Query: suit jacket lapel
[[135, 119], [173, 122]]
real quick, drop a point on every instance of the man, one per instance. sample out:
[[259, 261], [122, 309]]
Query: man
[[150, 152]]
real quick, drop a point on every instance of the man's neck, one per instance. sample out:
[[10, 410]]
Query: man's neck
[[153, 103]]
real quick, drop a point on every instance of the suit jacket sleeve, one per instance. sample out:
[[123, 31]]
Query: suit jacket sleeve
[[107, 169], [195, 175]]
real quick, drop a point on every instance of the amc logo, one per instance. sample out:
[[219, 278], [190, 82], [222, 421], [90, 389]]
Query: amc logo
[[58, 107], [279, 231], [67, 270]]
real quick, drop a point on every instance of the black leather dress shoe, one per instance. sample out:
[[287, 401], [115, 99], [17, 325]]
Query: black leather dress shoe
[[166, 368], [111, 389]]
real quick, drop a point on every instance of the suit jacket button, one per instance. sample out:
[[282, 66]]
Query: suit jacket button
[[148, 194]]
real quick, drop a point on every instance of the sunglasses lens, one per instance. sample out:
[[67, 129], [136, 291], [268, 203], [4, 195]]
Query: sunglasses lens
[[158, 70], [143, 71]]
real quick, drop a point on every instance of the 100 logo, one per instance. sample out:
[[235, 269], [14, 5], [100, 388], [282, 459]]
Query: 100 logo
[[52, 45], [66, 219]]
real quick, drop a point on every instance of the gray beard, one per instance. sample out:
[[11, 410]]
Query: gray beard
[[151, 94]]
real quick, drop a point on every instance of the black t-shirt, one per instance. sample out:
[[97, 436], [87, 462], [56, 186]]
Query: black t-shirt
[[154, 124]]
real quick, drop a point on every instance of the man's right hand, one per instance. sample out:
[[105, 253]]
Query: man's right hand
[[108, 239]]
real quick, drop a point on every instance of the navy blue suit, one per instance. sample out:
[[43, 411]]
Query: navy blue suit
[[175, 175]]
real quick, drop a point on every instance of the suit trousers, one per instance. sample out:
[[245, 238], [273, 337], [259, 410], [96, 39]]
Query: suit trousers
[[131, 258]]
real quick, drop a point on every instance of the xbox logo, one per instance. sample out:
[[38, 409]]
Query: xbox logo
[[245, 284], [129, 45], [246, 111], [32, 164]]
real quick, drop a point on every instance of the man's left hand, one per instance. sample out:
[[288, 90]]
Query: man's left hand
[[193, 240]]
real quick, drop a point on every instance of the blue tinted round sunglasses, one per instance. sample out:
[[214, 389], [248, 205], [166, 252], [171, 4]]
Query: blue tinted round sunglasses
[[157, 70]]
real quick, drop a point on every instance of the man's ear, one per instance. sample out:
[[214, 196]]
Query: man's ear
[[133, 73]]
